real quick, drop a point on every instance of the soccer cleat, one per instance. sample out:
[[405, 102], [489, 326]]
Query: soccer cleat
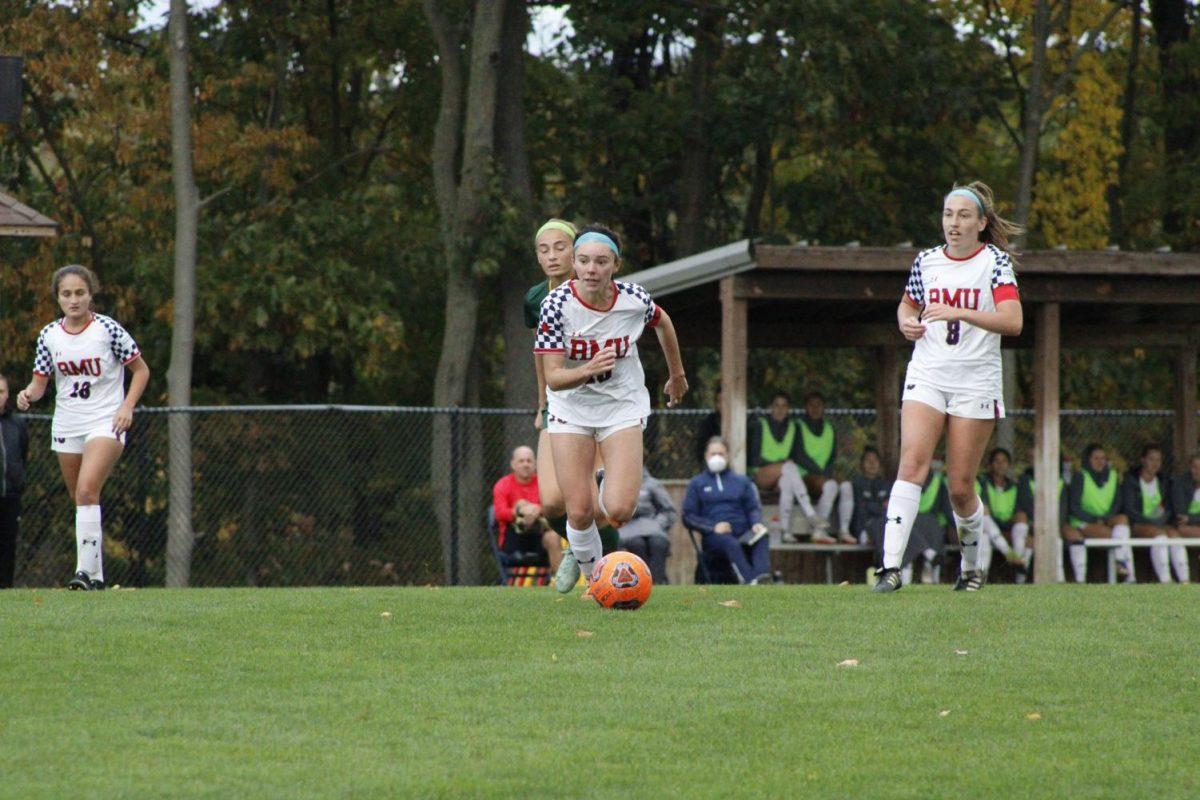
[[846, 537], [97, 585], [823, 538], [887, 580], [568, 573], [971, 581], [80, 583]]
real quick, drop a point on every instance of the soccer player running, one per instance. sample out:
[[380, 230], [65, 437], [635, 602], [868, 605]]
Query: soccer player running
[[587, 335], [87, 354], [960, 299]]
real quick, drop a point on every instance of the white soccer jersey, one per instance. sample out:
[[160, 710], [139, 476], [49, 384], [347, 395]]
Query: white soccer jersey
[[89, 372], [955, 356], [571, 327]]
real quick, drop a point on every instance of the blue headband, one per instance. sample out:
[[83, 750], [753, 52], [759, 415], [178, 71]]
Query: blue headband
[[593, 236], [962, 191]]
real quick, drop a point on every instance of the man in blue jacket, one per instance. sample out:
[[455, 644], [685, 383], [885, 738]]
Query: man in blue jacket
[[724, 507]]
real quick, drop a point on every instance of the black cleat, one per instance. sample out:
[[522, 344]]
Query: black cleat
[[969, 581], [887, 580], [97, 585], [80, 583]]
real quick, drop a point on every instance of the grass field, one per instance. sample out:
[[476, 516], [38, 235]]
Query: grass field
[[1059, 691]]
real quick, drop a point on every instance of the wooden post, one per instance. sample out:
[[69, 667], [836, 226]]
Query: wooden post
[[734, 358], [887, 407], [1046, 468], [1185, 407]]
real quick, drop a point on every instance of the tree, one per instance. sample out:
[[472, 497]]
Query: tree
[[1179, 62], [179, 376]]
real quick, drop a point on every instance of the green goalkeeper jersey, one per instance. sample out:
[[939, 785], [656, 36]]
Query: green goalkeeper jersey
[[533, 303]]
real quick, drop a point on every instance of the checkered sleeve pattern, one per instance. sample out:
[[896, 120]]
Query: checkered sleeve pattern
[[124, 348], [1002, 268], [549, 337], [915, 288], [43, 362], [653, 312]]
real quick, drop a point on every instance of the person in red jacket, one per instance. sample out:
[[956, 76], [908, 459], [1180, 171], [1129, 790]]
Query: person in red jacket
[[526, 538]]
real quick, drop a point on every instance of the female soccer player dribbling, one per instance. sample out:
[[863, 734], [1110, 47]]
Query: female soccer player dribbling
[[87, 353], [960, 299], [588, 335]]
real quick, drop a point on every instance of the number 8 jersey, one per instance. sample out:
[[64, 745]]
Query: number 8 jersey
[[89, 372], [956, 356]]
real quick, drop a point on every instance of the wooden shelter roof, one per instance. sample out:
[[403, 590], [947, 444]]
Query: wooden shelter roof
[[18, 219]]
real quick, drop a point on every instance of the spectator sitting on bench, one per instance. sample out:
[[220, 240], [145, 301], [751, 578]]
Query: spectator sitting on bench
[[724, 507], [818, 451], [648, 534], [774, 447], [1148, 504], [1185, 500], [999, 495], [931, 529], [526, 538], [1094, 512], [870, 495]]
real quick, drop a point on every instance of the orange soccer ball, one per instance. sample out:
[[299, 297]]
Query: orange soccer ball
[[621, 580]]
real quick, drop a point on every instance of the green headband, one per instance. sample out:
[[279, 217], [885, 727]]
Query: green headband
[[555, 225]]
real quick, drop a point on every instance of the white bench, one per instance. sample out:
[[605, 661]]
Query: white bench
[[1112, 544]]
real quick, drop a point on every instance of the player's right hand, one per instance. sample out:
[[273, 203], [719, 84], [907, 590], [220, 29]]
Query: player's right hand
[[603, 361], [23, 400], [912, 329], [537, 420]]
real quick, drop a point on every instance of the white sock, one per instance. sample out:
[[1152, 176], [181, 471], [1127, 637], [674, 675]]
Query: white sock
[[600, 499], [906, 574], [930, 554], [845, 506], [901, 514], [1122, 533], [829, 493], [586, 546], [1078, 561], [1160, 559], [1059, 574], [88, 540], [985, 547], [1179, 560], [969, 531], [792, 486]]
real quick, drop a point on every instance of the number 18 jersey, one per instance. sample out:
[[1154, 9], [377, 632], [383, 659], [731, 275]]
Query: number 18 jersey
[[570, 327], [89, 372], [956, 356]]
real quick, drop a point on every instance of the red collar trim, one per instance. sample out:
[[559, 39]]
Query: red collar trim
[[585, 304], [946, 253], [63, 323]]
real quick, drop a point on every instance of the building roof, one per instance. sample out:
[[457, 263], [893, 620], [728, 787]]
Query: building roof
[[18, 219]]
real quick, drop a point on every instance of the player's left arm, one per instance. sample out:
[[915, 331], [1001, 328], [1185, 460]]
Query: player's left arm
[[677, 384], [123, 419], [1006, 320]]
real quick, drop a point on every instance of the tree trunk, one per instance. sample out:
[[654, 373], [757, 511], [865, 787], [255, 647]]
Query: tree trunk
[[1181, 101], [179, 375], [1032, 124], [1116, 192], [520, 381], [466, 207], [695, 180]]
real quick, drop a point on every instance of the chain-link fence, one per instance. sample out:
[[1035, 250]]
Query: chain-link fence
[[288, 496]]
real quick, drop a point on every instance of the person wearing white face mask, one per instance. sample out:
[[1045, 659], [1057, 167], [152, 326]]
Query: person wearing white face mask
[[724, 507]]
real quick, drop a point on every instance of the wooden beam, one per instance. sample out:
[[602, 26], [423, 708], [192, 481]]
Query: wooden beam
[[766, 285], [887, 406], [1185, 406], [734, 357], [1046, 441], [1124, 289]]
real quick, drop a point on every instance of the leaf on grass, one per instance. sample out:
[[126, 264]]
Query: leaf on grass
[[37, 600], [849, 662], [582, 634], [730, 604], [386, 615], [559, 599], [960, 652], [844, 583], [554, 657], [1033, 715], [945, 712]]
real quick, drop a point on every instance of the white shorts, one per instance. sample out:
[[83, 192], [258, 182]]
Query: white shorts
[[954, 404], [557, 425], [74, 444]]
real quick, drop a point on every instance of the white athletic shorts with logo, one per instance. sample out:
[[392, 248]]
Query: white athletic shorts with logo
[[557, 425], [74, 444], [955, 404]]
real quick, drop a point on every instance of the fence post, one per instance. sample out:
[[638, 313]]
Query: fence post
[[455, 460]]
